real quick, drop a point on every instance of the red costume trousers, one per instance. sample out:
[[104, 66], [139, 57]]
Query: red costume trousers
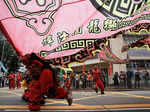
[[61, 93], [100, 84], [35, 96], [18, 84], [46, 81], [11, 84]]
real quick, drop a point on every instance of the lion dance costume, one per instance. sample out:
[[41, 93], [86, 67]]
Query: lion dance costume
[[41, 82]]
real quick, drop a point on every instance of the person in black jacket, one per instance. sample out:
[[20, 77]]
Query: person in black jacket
[[137, 79], [129, 78]]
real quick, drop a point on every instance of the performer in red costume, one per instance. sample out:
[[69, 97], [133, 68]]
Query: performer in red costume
[[11, 81], [96, 76], [44, 82], [35, 91], [18, 80]]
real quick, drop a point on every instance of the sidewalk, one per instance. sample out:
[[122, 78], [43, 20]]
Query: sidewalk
[[91, 89], [115, 89], [126, 89]]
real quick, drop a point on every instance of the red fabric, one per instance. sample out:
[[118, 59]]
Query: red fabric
[[35, 95], [12, 81], [100, 84], [34, 107], [37, 62], [18, 80], [26, 95], [67, 84], [46, 81], [96, 76], [61, 93], [96, 73]]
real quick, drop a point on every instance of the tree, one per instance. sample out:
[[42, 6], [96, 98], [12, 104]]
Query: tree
[[8, 55]]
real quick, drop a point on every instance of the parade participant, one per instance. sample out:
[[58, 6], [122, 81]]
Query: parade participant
[[28, 80], [61, 92], [35, 95], [48, 85], [96, 76], [18, 80], [47, 80], [11, 80]]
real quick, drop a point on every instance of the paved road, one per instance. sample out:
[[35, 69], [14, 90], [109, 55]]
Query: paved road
[[83, 101]]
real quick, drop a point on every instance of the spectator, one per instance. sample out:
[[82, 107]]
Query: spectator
[[3, 81], [89, 78], [123, 79], [146, 78], [116, 79], [84, 80], [137, 79], [129, 78], [77, 81]]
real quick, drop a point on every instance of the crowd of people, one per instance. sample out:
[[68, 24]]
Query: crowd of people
[[87, 79], [131, 79], [11, 80]]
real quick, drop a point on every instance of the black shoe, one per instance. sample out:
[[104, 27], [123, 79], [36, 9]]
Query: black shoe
[[42, 102], [102, 92], [25, 99], [96, 91], [69, 100]]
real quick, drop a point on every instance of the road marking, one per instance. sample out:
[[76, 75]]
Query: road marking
[[79, 107], [98, 110], [14, 110], [132, 95], [51, 101], [6, 96], [89, 97], [11, 92]]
